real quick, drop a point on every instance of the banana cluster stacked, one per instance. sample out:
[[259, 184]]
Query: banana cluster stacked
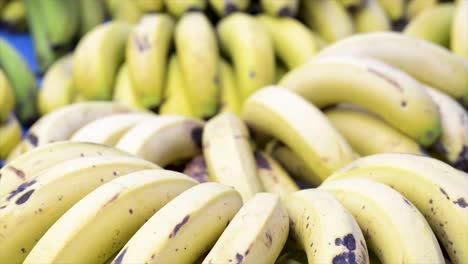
[[99, 185]]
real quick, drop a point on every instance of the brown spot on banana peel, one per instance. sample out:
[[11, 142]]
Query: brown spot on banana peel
[[262, 162], [239, 258], [285, 12], [120, 257], [20, 189], [461, 202], [111, 200], [444, 193], [179, 226], [25, 197], [269, 239], [386, 78], [142, 42], [19, 173], [32, 139]]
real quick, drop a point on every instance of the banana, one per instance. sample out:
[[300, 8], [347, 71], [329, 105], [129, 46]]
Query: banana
[[23, 168], [371, 17], [433, 24], [7, 97], [386, 91], [256, 234], [62, 123], [459, 31], [324, 229], [164, 139], [435, 188], [395, 9], [179, 7], [61, 21], [368, 134], [197, 169], [280, 8], [92, 13], [197, 51], [251, 50], [393, 228], [415, 7], [293, 42], [109, 129], [146, 57], [227, 7], [104, 46], [329, 18], [176, 101], [279, 112], [10, 137], [127, 11], [150, 5], [57, 89], [88, 232], [22, 82], [230, 94], [229, 156], [424, 61], [124, 91], [13, 16], [178, 233], [17, 151], [33, 208], [273, 177], [453, 143]]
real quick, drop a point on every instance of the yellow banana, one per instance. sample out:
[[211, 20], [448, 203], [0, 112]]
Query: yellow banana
[[92, 13], [10, 137], [352, 4], [371, 17], [124, 90], [179, 7], [98, 57], [415, 7], [459, 32], [395, 8], [146, 57], [280, 7], [197, 51], [7, 97], [280, 72], [251, 50], [225, 8], [150, 5], [230, 94], [127, 11]]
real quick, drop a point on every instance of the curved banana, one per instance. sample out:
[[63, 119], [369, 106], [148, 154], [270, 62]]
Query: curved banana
[[57, 89], [368, 134], [415, 7], [61, 21], [146, 57], [29, 211], [225, 8], [433, 24], [406, 236], [256, 234], [279, 112], [371, 17], [62, 123], [459, 31], [424, 61], [293, 42], [251, 50], [197, 51], [150, 5], [109, 129], [97, 58], [180, 7], [88, 232], [395, 9], [329, 18], [178, 233], [92, 13], [176, 101], [23, 168], [229, 156], [163, 139], [273, 177], [453, 143], [10, 137], [7, 97], [386, 91], [324, 229], [287, 8], [124, 91], [436, 189], [230, 94]]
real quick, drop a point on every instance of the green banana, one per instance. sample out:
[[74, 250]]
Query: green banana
[[97, 58], [280, 7], [7, 97], [61, 21], [433, 24], [13, 16], [10, 136], [124, 90], [371, 17], [459, 32], [146, 57], [92, 13], [251, 50], [22, 82], [227, 7], [197, 51], [178, 8]]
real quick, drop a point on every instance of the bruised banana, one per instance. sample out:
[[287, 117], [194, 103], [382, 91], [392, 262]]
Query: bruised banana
[[282, 8], [229, 156], [435, 188], [324, 228], [29, 211], [279, 112], [23, 168], [10, 137], [225, 8], [124, 91], [178, 233], [386, 91], [7, 97], [257, 232], [88, 231], [371, 17], [424, 61]]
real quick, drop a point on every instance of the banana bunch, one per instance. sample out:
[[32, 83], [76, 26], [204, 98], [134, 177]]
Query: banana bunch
[[13, 16]]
